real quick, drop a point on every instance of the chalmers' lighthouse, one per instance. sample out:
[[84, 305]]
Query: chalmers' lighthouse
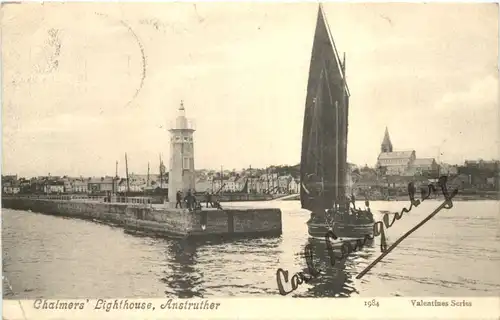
[[181, 173]]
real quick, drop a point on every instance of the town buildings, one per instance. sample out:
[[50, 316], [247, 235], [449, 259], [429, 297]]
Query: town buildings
[[472, 175], [247, 181], [10, 184], [54, 186], [103, 184], [481, 174]]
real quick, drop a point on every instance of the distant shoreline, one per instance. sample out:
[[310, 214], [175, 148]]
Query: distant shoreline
[[240, 197], [458, 197]]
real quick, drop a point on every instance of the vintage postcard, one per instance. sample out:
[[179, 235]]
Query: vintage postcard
[[245, 160]]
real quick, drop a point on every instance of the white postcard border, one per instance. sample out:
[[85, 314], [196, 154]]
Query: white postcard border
[[262, 308]]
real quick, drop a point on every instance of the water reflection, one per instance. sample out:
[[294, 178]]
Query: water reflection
[[199, 268], [336, 280], [181, 277]]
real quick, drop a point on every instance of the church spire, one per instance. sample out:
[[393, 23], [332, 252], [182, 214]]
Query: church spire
[[386, 143]]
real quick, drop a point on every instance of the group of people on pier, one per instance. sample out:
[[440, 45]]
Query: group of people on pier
[[191, 202]]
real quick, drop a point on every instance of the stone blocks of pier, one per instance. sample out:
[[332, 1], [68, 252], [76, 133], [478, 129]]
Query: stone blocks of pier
[[238, 222], [162, 221]]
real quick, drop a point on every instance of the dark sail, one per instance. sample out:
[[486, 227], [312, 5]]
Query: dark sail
[[324, 136]]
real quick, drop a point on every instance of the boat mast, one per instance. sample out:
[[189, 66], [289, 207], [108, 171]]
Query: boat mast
[[345, 117], [126, 172], [337, 151], [147, 182], [161, 175], [251, 177], [267, 179], [115, 179]]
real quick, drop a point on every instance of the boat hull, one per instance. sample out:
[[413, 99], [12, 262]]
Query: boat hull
[[344, 231], [345, 226]]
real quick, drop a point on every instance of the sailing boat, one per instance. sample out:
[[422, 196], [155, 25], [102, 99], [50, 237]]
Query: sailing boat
[[323, 170]]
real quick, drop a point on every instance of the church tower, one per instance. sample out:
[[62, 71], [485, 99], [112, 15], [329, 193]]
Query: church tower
[[181, 174], [386, 143]]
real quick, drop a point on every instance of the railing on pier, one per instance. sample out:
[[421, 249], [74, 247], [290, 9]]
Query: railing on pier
[[60, 197], [87, 198], [132, 200]]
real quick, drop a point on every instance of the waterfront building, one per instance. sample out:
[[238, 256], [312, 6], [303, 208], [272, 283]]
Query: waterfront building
[[492, 165], [295, 185], [54, 187], [461, 181], [182, 174], [203, 184], [283, 183], [138, 185], [240, 184], [102, 184], [253, 183], [80, 186], [483, 174], [36, 185], [11, 187], [268, 183], [422, 166], [24, 185], [218, 183], [396, 163], [403, 163], [364, 180], [447, 169], [10, 184], [68, 185], [231, 184], [9, 177], [286, 184]]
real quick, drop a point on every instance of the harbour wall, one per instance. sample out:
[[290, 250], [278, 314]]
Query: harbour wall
[[106, 212], [236, 197], [200, 196], [152, 220]]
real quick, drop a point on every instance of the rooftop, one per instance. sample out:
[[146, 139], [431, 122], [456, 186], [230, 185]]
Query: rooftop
[[396, 155], [423, 161], [101, 180]]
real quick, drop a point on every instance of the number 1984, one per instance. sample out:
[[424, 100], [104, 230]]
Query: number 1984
[[371, 303]]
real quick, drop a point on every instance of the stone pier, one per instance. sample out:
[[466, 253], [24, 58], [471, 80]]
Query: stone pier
[[160, 220]]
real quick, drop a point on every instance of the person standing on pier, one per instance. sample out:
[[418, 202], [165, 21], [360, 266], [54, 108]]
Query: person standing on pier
[[208, 197], [190, 199], [179, 199]]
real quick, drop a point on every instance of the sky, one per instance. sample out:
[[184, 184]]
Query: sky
[[83, 83]]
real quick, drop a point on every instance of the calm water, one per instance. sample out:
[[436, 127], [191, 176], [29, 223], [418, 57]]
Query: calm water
[[455, 253]]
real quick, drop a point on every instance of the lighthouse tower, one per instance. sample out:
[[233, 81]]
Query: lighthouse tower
[[181, 175]]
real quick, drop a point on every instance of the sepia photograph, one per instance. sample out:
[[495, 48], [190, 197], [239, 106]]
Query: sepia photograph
[[241, 150]]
